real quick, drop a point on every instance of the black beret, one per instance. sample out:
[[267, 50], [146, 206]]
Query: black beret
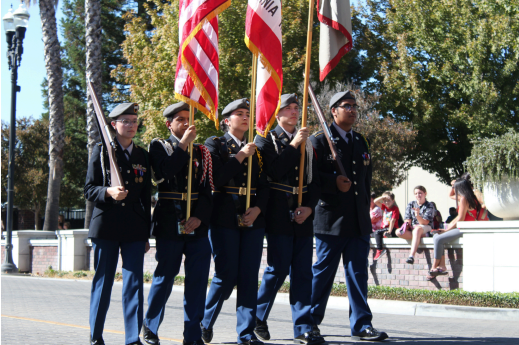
[[173, 109], [288, 99], [341, 96], [235, 105], [125, 109]]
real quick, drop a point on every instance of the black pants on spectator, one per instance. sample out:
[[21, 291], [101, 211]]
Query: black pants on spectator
[[379, 235]]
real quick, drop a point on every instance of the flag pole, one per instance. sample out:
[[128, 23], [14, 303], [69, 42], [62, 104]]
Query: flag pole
[[251, 124], [190, 166], [305, 99]]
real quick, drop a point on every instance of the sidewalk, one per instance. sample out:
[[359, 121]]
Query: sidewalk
[[55, 311]]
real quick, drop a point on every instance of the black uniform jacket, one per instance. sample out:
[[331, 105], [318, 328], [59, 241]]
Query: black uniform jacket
[[338, 213], [227, 171], [174, 170], [126, 220], [283, 168]]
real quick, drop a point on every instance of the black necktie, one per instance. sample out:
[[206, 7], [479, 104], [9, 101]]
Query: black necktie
[[127, 154], [350, 140], [241, 146]]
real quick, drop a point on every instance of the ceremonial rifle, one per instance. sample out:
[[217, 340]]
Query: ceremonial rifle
[[108, 135], [331, 140]]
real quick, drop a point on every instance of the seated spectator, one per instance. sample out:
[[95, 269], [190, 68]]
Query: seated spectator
[[389, 221], [477, 193], [469, 209], [61, 219], [419, 216], [375, 214], [437, 217], [66, 226], [452, 214]]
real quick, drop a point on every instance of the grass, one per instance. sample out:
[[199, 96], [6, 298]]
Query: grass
[[451, 297]]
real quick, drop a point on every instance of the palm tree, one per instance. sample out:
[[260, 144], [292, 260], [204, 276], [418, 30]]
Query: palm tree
[[93, 71], [52, 53]]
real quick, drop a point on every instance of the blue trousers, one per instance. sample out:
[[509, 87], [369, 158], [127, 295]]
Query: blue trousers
[[237, 259], [169, 258], [288, 255], [354, 253], [106, 255]]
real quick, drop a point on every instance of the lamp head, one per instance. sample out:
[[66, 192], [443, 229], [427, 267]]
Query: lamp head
[[9, 21], [21, 17]]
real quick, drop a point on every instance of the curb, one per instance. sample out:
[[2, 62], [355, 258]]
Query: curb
[[376, 305]]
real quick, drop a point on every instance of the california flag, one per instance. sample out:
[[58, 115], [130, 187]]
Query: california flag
[[263, 38], [335, 40]]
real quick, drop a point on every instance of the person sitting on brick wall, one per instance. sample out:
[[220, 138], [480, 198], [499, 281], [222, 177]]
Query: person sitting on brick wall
[[419, 216], [375, 213], [469, 209], [389, 221]]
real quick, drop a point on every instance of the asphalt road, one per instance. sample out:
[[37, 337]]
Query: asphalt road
[[54, 311]]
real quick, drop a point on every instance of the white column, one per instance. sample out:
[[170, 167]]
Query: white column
[[72, 249], [490, 256]]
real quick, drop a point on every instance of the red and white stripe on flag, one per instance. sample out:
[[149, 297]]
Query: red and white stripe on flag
[[335, 30], [196, 79], [263, 38]]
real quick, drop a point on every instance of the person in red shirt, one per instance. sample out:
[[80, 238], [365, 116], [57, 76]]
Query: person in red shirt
[[389, 221]]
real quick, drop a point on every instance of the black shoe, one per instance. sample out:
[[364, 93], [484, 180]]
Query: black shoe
[[262, 330], [316, 331], [410, 260], [207, 334], [309, 338], [99, 341], [196, 342], [370, 334], [148, 336], [138, 342], [252, 342]]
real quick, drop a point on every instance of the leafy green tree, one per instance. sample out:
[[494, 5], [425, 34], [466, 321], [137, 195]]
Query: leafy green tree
[[31, 168], [453, 71]]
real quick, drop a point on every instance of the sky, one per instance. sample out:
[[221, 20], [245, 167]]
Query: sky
[[29, 102]]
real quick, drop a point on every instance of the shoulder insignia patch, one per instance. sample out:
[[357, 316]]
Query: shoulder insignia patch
[[318, 133]]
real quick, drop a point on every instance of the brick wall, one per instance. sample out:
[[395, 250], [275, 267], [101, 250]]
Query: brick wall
[[42, 257], [390, 270]]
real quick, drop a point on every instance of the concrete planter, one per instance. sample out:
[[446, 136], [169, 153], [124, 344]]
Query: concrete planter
[[502, 198]]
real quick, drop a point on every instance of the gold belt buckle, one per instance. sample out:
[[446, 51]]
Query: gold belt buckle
[[242, 191], [184, 196], [295, 190]]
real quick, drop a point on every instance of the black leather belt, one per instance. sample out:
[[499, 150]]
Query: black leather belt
[[176, 196], [287, 189]]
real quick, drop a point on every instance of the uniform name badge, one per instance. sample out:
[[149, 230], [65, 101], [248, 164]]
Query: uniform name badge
[[182, 230]]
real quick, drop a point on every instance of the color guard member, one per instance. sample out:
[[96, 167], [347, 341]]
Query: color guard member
[[289, 227], [236, 233], [175, 237], [342, 223], [120, 221]]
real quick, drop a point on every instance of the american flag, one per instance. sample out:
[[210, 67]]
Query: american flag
[[196, 80]]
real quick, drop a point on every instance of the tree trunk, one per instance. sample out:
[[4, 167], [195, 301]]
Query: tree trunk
[[57, 124], [94, 67]]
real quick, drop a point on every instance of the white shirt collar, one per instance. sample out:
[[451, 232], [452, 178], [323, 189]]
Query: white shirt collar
[[238, 142], [342, 132], [129, 148], [290, 135]]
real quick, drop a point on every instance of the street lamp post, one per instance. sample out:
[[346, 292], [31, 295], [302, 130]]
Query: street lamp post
[[15, 25]]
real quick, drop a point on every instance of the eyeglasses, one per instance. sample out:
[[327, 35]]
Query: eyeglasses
[[348, 107], [128, 123]]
